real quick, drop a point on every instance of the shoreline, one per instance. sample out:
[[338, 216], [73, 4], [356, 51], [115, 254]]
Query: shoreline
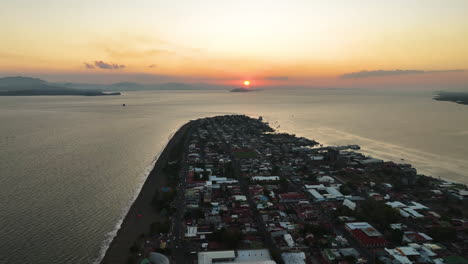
[[141, 214]]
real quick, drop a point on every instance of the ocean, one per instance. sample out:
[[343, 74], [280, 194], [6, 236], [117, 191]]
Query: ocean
[[71, 166]]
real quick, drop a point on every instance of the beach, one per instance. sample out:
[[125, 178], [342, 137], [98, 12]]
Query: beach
[[141, 214]]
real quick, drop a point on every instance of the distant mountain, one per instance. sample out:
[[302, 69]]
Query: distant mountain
[[13, 83], [177, 86], [83, 86], [28, 83], [131, 86], [128, 85], [65, 91], [16, 86]]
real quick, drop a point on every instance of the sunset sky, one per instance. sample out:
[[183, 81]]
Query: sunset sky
[[271, 42]]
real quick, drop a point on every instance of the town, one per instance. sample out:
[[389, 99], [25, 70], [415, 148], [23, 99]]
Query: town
[[242, 193]]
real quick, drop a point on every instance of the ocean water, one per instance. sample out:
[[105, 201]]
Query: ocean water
[[71, 166]]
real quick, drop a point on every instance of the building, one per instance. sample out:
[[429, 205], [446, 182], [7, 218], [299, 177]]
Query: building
[[256, 256], [265, 178], [155, 258], [349, 204], [294, 257], [366, 234], [291, 197]]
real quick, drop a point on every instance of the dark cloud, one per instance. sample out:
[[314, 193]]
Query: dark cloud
[[277, 78], [152, 66], [89, 66], [108, 66], [104, 65], [382, 73]]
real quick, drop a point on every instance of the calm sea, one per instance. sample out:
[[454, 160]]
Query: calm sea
[[71, 166]]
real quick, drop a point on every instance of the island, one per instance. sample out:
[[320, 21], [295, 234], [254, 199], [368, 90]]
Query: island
[[231, 189], [456, 97], [244, 90]]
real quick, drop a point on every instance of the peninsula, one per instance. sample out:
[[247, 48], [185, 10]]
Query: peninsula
[[231, 189], [456, 97]]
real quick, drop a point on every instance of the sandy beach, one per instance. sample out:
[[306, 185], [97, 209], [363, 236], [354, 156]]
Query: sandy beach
[[142, 214]]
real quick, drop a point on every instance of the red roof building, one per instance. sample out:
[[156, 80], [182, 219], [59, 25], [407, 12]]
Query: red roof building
[[366, 235], [291, 197]]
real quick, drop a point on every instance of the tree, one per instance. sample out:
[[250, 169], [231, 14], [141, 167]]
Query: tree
[[284, 183], [231, 238], [379, 213], [443, 234], [396, 236]]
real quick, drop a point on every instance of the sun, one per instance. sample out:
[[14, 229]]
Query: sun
[[246, 83]]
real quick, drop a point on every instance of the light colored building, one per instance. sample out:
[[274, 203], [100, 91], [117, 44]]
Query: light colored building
[[349, 204], [289, 240], [265, 178], [294, 257], [191, 231], [256, 256]]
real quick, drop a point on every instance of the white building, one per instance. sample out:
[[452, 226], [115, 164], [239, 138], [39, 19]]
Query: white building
[[256, 256], [349, 204], [289, 240]]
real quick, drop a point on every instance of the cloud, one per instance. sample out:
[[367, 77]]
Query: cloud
[[108, 66], [152, 66], [277, 78], [382, 73], [89, 66], [104, 65]]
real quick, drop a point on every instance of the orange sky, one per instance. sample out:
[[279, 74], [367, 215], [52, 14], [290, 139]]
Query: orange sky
[[297, 42]]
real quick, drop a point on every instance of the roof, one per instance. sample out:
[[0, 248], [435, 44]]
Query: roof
[[191, 231], [371, 232], [357, 225], [289, 240], [368, 240], [265, 178], [349, 204], [291, 196], [397, 256], [240, 198], [255, 255], [349, 252], [395, 204], [316, 194], [208, 256], [333, 191], [157, 258], [407, 251], [294, 258], [413, 213]]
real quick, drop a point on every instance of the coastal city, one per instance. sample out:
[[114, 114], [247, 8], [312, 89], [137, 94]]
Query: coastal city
[[237, 191]]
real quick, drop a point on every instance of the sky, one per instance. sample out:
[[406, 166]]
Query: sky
[[270, 42]]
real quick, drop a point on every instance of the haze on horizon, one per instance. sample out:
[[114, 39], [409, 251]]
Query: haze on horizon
[[277, 43]]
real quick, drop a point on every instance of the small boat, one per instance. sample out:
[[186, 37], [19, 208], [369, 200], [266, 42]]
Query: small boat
[[123, 104]]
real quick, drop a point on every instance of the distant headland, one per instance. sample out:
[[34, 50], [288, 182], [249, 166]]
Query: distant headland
[[456, 97]]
